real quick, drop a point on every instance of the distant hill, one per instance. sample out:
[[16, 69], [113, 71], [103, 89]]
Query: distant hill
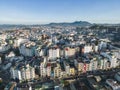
[[13, 26], [76, 23]]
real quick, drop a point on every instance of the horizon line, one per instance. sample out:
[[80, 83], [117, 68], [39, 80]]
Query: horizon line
[[57, 22]]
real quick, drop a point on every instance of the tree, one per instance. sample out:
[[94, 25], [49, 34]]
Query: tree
[[66, 83], [17, 52]]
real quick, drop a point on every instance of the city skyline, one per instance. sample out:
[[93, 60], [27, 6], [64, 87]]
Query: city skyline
[[46, 11]]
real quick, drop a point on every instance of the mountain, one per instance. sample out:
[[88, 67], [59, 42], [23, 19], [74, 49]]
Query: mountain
[[21, 26], [76, 23]]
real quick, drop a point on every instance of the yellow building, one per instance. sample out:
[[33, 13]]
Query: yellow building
[[72, 71], [57, 71]]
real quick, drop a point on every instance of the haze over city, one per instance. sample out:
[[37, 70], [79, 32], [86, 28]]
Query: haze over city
[[59, 44], [46, 11]]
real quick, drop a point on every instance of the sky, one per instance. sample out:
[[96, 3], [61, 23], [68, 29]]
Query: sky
[[46, 11]]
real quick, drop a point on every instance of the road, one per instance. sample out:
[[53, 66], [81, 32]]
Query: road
[[94, 74]]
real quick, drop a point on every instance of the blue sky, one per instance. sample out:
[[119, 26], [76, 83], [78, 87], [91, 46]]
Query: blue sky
[[45, 11]]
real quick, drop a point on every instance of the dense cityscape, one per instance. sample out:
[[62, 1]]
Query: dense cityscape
[[60, 56], [59, 44]]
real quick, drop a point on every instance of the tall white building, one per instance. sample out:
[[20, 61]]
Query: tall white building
[[111, 58], [15, 73], [53, 53], [93, 64], [23, 73], [113, 61], [28, 49], [43, 72]]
